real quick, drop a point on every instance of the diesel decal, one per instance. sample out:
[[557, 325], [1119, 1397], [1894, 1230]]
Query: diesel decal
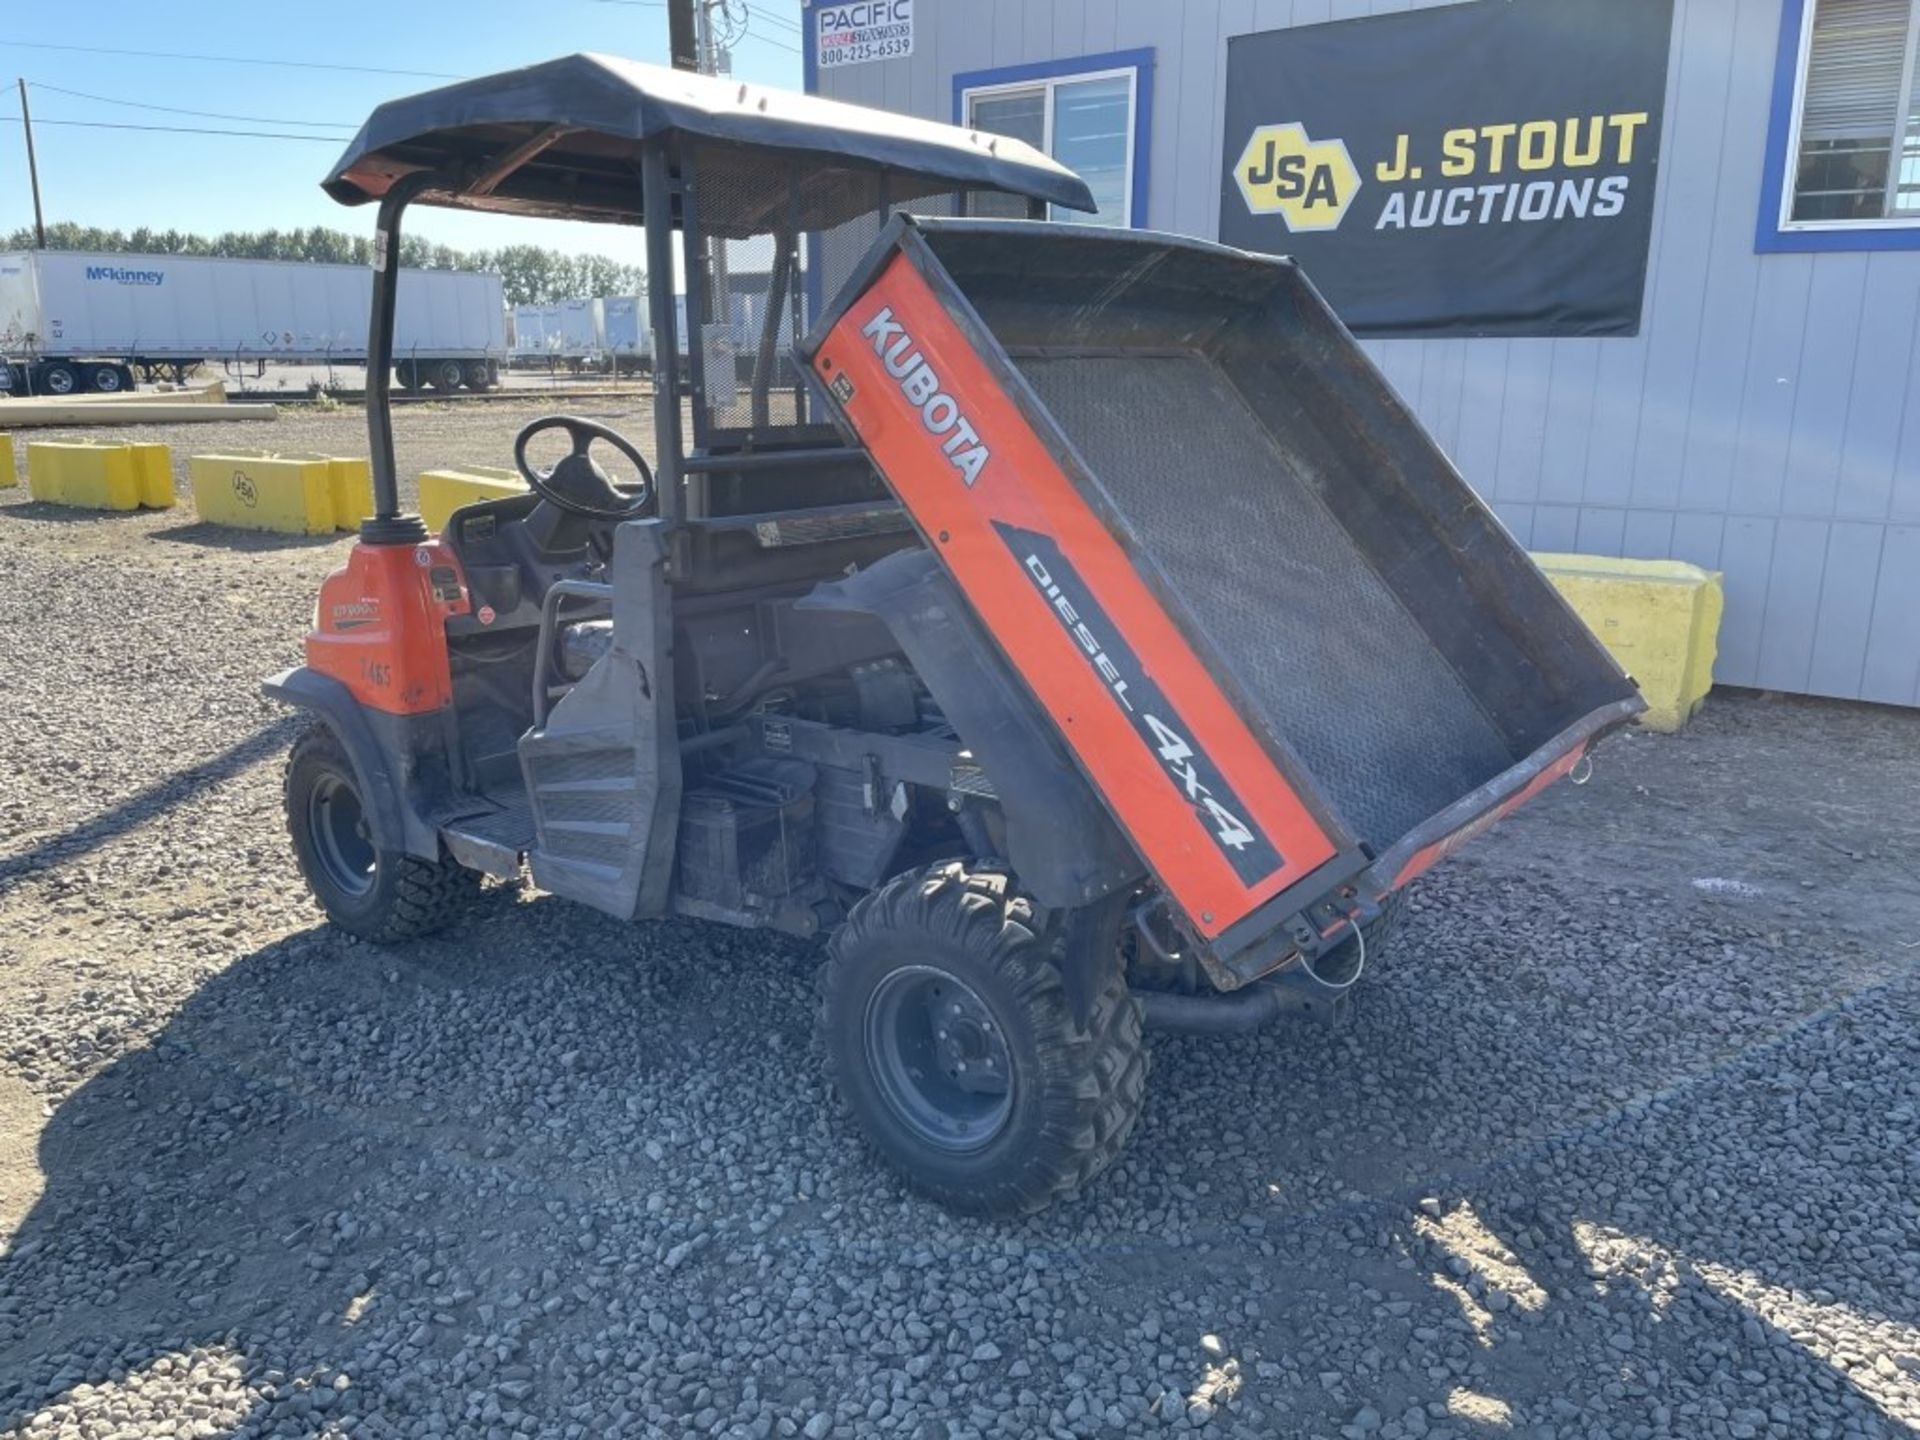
[[1151, 712], [939, 411]]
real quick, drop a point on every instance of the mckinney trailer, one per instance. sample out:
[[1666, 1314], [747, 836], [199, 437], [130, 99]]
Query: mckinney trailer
[[74, 321]]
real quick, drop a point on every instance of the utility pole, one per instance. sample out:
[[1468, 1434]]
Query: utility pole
[[33, 172], [682, 45], [713, 60], [692, 40]]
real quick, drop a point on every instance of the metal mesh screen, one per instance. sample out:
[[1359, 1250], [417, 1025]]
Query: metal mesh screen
[[754, 287], [781, 242], [1314, 636]]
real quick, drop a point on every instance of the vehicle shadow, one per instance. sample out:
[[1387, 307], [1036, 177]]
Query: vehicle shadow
[[176, 789], [1672, 1239], [207, 535], [45, 512], [430, 1184]]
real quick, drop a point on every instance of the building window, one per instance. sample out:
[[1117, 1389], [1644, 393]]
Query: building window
[[1089, 114], [1848, 164]]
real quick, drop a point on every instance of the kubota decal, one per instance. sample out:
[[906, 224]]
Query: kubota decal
[[1147, 706], [939, 411], [355, 614]]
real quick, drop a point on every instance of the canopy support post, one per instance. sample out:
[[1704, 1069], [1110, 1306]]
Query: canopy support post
[[388, 526], [656, 198]]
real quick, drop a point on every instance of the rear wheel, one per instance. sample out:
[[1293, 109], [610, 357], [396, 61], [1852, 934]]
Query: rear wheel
[[949, 1037], [475, 376], [58, 379], [108, 379], [380, 895], [410, 376], [444, 375]]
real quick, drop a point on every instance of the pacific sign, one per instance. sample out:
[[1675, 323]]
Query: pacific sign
[[864, 30]]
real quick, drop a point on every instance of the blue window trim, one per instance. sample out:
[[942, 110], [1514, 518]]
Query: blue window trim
[[1769, 237], [1139, 61]]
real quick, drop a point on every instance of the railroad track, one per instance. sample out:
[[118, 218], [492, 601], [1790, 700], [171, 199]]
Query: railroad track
[[355, 397]]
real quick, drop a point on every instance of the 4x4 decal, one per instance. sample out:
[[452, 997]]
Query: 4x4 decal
[[1147, 706]]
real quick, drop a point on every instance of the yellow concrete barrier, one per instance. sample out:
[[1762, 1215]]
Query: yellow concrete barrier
[[292, 494], [1659, 618], [444, 491], [8, 479], [100, 474]]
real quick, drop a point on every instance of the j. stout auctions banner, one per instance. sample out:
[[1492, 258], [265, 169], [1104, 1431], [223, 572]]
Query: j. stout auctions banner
[[1478, 169]]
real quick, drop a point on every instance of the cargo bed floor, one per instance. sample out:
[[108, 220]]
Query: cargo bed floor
[[1316, 639]]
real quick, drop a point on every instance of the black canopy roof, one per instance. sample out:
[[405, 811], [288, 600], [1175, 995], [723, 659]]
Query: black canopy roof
[[563, 138]]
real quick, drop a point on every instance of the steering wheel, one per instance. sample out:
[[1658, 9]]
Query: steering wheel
[[577, 485]]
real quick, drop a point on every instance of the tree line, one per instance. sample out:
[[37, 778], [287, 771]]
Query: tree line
[[530, 274]]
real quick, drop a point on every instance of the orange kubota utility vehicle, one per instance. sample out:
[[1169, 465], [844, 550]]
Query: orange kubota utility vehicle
[[1071, 624]]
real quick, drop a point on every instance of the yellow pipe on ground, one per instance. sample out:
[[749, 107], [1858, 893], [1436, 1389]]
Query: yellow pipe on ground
[[25, 413]]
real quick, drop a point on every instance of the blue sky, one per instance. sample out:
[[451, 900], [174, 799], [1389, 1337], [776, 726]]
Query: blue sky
[[209, 183]]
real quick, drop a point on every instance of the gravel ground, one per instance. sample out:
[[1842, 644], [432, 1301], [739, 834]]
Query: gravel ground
[[1624, 1140]]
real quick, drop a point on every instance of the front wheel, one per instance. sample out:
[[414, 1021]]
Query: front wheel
[[949, 1036], [381, 895]]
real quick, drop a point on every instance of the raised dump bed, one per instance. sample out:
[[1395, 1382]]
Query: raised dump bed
[[1321, 642]]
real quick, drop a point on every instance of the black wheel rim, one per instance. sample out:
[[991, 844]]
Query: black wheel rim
[[939, 1058], [342, 841]]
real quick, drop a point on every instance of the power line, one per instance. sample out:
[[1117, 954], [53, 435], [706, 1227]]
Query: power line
[[228, 59], [184, 130], [775, 18], [766, 39], [177, 110]]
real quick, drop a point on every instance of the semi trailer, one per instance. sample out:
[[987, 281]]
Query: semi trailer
[[74, 321], [557, 333], [610, 333]]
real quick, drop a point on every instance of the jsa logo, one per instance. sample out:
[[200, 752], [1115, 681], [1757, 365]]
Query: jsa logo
[[1308, 183], [939, 411]]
